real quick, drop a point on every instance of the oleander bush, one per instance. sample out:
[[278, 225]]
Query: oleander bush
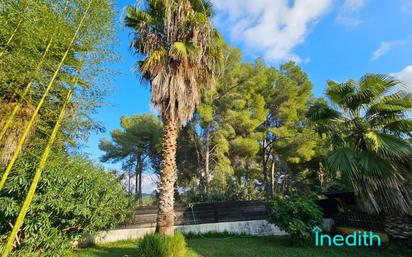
[[74, 196]]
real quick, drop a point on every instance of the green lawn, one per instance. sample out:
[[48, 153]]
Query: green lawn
[[245, 247]]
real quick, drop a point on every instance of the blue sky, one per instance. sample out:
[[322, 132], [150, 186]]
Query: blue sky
[[331, 39]]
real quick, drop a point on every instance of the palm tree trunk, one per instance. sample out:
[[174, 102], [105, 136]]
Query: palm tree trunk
[[166, 216]]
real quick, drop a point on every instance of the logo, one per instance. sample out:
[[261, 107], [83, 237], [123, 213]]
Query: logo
[[357, 238]]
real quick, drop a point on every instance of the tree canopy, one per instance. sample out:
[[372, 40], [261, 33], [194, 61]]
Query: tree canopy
[[137, 144]]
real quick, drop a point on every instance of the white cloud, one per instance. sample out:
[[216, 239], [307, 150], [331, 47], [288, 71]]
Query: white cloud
[[405, 76], [353, 5], [347, 11], [271, 27], [406, 5], [384, 47]]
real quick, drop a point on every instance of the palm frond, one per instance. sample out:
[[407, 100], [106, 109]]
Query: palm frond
[[152, 62], [137, 18], [179, 51], [175, 37], [374, 85], [343, 160], [339, 93], [321, 111], [372, 140], [390, 104], [215, 50], [388, 146], [202, 6], [373, 166], [399, 126]]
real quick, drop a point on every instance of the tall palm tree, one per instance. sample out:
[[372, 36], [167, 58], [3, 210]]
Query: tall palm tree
[[177, 41], [369, 126]]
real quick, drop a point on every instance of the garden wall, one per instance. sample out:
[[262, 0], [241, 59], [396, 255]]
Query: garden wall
[[252, 227], [241, 217]]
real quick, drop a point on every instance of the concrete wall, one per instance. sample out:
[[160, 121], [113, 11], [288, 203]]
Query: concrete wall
[[253, 227]]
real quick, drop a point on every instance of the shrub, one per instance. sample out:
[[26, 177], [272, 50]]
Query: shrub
[[294, 214], [156, 245], [74, 196]]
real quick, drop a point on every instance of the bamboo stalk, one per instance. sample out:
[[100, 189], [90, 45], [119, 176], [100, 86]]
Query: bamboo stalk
[[28, 86], [39, 105], [11, 37], [26, 90], [37, 176]]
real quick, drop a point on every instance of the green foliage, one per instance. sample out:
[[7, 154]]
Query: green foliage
[[156, 245], [236, 190], [137, 144], [294, 214], [179, 50], [254, 118], [288, 141], [42, 33], [367, 127], [140, 135], [73, 197], [245, 146]]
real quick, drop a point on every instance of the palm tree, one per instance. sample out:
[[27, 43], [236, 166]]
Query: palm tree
[[369, 129], [177, 41]]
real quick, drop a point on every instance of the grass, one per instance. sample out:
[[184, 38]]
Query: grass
[[238, 246], [117, 249]]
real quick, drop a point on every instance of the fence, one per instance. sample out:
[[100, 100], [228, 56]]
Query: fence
[[359, 220], [204, 213], [201, 213]]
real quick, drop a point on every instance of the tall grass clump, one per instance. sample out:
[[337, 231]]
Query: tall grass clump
[[157, 245]]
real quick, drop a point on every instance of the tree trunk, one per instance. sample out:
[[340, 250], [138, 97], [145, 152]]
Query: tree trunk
[[207, 159], [140, 184], [265, 158], [129, 178], [273, 178], [166, 216], [199, 160], [136, 188], [265, 170]]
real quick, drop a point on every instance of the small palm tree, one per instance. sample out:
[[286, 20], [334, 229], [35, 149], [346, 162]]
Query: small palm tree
[[177, 41], [369, 127]]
